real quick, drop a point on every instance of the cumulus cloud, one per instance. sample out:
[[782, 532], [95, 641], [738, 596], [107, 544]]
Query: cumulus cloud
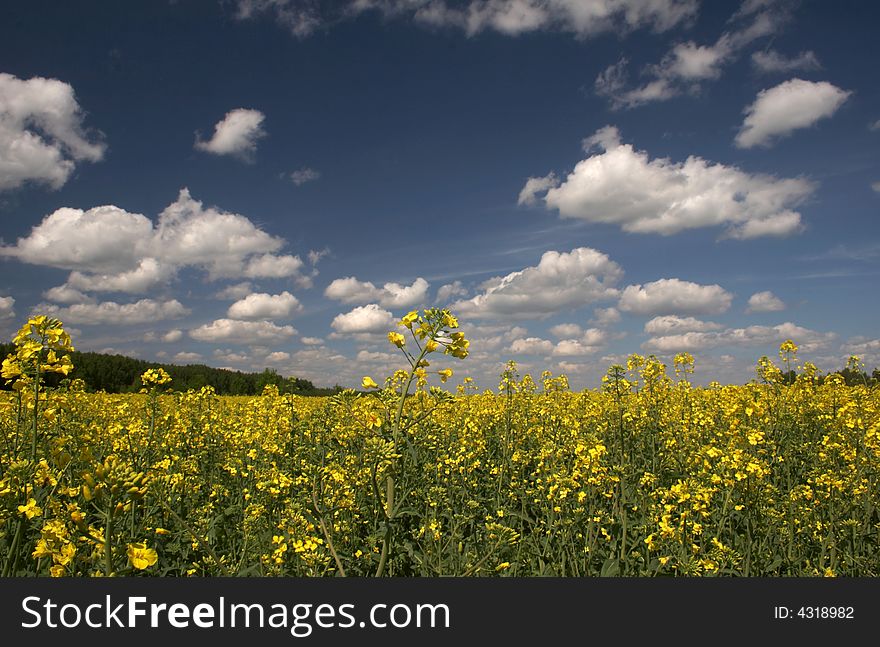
[[673, 325], [772, 62], [111, 312], [390, 295], [304, 175], [6, 307], [532, 346], [674, 297], [688, 64], [172, 336], [272, 266], [261, 305], [447, 292], [236, 331], [236, 134], [277, 357], [109, 249], [363, 319], [312, 341], [565, 330], [508, 17], [605, 317], [235, 292], [789, 106], [66, 295], [587, 343], [42, 137], [875, 186], [765, 302], [808, 340], [560, 281], [621, 186]]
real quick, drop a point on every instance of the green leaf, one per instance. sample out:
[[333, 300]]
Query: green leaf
[[611, 568]]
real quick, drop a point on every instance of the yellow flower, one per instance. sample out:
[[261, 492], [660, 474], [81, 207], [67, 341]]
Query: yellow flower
[[445, 374], [397, 339], [31, 509], [369, 383], [409, 319], [431, 346], [141, 557]]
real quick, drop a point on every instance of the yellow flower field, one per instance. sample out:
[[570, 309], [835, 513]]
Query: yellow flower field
[[647, 476]]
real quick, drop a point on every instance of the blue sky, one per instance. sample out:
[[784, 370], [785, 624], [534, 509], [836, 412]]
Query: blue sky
[[276, 182]]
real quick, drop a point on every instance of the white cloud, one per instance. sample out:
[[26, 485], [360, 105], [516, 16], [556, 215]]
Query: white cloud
[[808, 340], [874, 126], [110, 249], [235, 292], [605, 317], [789, 106], [395, 295], [446, 292], [534, 186], [272, 266], [277, 357], [363, 319], [187, 357], [235, 331], [41, 132], [264, 306], [566, 330], [6, 307], [312, 341], [236, 134], [508, 17], [379, 357], [532, 346], [391, 295], [772, 62], [876, 186], [111, 312], [765, 302], [622, 186], [674, 296], [66, 295], [673, 325], [589, 342], [315, 255], [172, 336], [139, 280], [687, 64], [560, 281], [304, 175]]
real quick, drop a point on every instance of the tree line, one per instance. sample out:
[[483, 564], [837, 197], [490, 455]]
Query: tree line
[[122, 374]]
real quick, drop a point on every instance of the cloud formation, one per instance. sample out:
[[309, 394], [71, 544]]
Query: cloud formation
[[508, 17], [390, 295], [109, 249], [789, 106], [235, 331], [42, 137], [111, 312], [688, 64], [560, 281], [674, 297], [765, 302], [261, 305], [621, 186], [236, 134]]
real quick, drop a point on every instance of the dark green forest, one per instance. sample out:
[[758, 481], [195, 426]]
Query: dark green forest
[[121, 374]]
